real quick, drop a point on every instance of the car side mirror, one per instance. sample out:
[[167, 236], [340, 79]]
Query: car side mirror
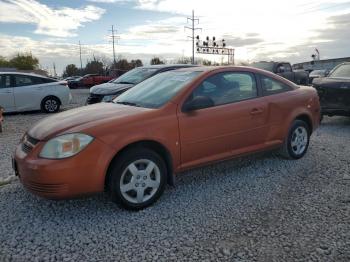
[[199, 102]]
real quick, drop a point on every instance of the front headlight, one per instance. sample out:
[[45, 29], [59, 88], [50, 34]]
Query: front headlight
[[109, 98], [65, 146]]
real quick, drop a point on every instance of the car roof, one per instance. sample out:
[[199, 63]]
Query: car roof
[[222, 68], [249, 69], [25, 74], [168, 66]]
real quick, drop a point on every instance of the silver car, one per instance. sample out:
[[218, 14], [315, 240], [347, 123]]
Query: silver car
[[26, 92]]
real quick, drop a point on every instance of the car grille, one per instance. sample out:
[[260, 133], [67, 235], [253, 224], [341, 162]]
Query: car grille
[[45, 188], [29, 143], [94, 98]]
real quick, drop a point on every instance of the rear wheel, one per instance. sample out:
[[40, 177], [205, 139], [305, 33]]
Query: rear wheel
[[50, 104], [297, 141], [137, 178]]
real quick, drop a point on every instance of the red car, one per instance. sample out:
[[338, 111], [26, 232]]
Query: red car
[[89, 81]]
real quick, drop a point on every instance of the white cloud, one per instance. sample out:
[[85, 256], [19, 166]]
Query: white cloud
[[288, 23], [59, 22]]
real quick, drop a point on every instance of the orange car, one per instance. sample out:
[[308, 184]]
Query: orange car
[[169, 123]]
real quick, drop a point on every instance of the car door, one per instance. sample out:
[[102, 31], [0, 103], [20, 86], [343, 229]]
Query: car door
[[7, 100], [279, 102], [236, 122], [28, 92]]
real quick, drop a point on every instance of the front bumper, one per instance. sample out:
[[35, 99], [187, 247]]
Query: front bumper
[[71, 177], [94, 98]]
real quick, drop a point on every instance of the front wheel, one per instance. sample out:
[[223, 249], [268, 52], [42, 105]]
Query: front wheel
[[138, 178], [297, 142]]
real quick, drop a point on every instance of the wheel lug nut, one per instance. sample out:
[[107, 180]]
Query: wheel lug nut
[[138, 177], [143, 184], [137, 185], [144, 178]]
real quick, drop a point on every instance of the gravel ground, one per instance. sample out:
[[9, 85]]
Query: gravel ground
[[258, 208]]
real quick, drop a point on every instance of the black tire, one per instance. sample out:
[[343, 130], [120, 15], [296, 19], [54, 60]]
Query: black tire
[[50, 104], [288, 150], [120, 170]]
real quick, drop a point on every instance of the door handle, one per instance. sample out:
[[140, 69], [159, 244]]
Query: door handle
[[256, 111]]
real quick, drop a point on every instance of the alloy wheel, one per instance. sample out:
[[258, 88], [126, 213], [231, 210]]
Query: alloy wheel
[[140, 181], [51, 105], [299, 140]]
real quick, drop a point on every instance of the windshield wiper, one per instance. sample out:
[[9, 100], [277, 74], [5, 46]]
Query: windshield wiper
[[127, 103], [125, 82]]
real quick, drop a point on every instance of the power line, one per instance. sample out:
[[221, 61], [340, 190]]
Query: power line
[[193, 19]]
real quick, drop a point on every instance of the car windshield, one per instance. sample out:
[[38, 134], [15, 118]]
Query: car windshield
[[341, 71], [263, 65], [157, 90], [135, 76]]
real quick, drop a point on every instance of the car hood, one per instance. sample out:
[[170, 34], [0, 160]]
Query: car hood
[[330, 81], [86, 118], [109, 88]]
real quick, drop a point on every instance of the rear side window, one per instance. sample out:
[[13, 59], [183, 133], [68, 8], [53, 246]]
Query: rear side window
[[42, 80], [23, 80], [271, 86], [5, 81]]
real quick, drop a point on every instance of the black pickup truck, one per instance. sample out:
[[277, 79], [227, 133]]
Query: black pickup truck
[[285, 70]]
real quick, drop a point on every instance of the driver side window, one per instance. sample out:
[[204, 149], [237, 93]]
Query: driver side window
[[228, 87]]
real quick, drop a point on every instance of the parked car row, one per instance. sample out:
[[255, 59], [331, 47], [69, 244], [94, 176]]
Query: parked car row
[[161, 120], [108, 91], [285, 70], [88, 81]]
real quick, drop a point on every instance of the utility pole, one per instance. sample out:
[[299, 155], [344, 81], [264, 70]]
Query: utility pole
[[81, 63], [192, 19], [54, 69], [114, 36]]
